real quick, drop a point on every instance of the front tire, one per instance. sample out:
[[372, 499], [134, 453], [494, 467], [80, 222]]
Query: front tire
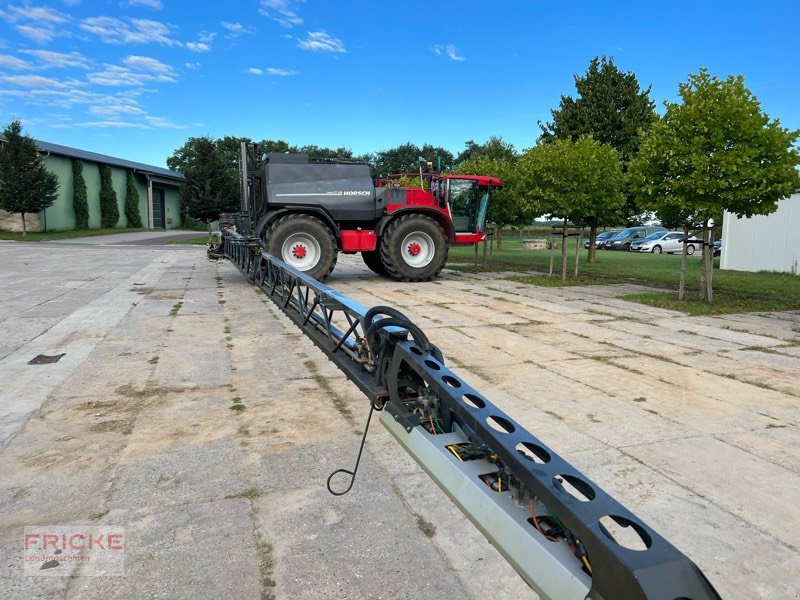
[[689, 249], [626, 247], [414, 248], [303, 242], [373, 261], [656, 249]]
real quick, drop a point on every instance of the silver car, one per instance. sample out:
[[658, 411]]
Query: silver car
[[670, 242]]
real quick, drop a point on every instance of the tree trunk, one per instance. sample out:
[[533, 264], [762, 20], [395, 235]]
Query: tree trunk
[[703, 264], [499, 233], [579, 241], [564, 252], [24, 229], [710, 267], [682, 284], [552, 256], [592, 240]]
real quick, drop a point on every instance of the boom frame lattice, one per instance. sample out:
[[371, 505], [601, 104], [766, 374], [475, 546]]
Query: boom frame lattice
[[338, 327]]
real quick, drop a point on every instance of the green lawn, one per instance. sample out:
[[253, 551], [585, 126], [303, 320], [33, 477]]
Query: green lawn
[[39, 236], [195, 241], [723, 303], [780, 291]]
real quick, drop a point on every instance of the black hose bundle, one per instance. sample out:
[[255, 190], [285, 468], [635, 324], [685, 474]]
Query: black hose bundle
[[393, 318]]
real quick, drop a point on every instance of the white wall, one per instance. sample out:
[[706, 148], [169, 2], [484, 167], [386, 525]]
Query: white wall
[[763, 243]]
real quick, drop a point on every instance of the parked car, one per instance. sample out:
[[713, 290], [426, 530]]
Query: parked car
[[624, 239], [601, 237], [718, 247], [670, 242]]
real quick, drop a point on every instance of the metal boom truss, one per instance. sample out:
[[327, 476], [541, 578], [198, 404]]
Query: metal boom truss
[[561, 532]]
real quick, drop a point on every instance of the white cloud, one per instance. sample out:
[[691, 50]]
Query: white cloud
[[161, 123], [37, 34], [203, 43], [65, 98], [37, 23], [147, 63], [194, 65], [148, 122], [111, 30], [50, 59], [36, 14], [154, 4], [110, 123], [282, 11], [12, 62], [34, 81], [235, 29], [450, 50], [113, 106], [279, 72], [198, 47], [271, 71], [321, 41], [138, 71]]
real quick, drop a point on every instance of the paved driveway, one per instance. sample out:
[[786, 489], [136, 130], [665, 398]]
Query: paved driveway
[[690, 422], [153, 237]]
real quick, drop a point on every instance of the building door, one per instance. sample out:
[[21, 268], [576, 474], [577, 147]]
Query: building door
[[158, 208]]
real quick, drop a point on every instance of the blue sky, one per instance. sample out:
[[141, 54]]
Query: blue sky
[[136, 78]]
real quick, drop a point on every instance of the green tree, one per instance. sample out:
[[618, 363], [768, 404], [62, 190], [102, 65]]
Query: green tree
[[494, 147], [26, 186], [612, 108], [132, 201], [405, 158], [716, 151], [109, 209], [80, 202], [210, 183], [572, 181], [322, 153], [498, 159]]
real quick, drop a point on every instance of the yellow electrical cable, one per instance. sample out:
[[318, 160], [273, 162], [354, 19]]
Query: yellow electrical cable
[[499, 485], [453, 450], [588, 566]]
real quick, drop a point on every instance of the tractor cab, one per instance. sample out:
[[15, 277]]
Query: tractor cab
[[467, 198]]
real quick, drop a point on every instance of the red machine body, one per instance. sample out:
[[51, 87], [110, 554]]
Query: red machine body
[[306, 212]]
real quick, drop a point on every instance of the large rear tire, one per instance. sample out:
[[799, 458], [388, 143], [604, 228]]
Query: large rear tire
[[373, 261], [414, 248], [303, 242]]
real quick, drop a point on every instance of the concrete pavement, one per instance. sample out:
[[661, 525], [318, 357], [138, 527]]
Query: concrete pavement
[[690, 422], [153, 237]]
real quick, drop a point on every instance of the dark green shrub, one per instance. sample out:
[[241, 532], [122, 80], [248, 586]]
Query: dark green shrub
[[132, 201], [109, 211], [80, 202]]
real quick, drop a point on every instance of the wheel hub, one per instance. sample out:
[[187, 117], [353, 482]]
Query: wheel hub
[[301, 251], [417, 249]]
